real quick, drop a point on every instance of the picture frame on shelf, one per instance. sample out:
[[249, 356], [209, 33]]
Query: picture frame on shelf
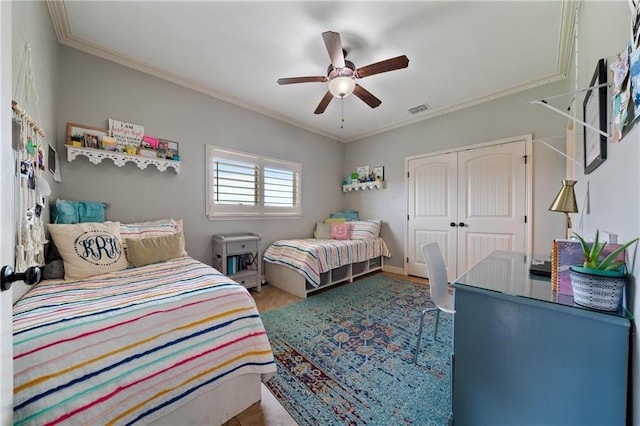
[[363, 172], [91, 141], [594, 109], [173, 152], [378, 172], [76, 132]]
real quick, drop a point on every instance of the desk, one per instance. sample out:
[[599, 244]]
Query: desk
[[525, 355]]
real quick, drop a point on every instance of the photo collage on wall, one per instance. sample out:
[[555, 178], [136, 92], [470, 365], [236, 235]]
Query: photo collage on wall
[[625, 100]]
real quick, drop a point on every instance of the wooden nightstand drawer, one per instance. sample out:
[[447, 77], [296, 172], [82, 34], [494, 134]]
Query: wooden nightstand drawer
[[249, 281], [241, 246]]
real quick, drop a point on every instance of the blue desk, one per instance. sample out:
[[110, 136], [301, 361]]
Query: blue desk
[[525, 355]]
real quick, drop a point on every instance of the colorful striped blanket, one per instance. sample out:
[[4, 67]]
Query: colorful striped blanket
[[311, 256], [130, 346]]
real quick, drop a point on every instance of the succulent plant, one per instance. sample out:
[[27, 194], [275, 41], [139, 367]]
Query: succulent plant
[[592, 254]]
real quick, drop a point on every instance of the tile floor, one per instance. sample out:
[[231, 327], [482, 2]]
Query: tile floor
[[269, 412]]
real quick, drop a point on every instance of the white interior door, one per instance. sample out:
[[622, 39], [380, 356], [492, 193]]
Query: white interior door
[[492, 202], [432, 207], [470, 202]]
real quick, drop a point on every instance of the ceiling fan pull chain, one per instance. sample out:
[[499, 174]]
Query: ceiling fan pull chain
[[342, 112]]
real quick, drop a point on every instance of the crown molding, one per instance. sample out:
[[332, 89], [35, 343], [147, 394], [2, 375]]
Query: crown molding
[[62, 28]]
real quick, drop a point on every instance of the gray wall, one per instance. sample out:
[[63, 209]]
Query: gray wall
[[92, 90], [502, 118]]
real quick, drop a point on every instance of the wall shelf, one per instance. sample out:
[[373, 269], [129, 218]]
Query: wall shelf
[[361, 185], [120, 159]]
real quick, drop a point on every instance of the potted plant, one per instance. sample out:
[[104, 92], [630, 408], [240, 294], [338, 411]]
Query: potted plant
[[599, 282]]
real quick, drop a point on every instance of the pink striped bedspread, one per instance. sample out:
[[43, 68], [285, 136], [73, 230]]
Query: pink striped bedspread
[[311, 256], [130, 346]]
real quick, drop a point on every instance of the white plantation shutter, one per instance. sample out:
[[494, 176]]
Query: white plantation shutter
[[243, 185]]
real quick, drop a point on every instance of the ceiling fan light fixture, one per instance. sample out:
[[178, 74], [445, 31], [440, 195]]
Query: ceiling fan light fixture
[[341, 87]]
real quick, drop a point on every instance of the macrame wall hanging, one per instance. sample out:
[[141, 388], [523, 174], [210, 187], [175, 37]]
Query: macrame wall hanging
[[31, 189]]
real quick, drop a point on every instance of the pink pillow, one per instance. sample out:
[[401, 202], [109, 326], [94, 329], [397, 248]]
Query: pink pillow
[[341, 231]]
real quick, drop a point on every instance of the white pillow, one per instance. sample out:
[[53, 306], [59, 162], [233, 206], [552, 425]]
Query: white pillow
[[89, 248], [156, 228], [365, 229]]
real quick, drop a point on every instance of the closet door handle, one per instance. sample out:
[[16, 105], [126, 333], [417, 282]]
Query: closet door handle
[[461, 224], [452, 224]]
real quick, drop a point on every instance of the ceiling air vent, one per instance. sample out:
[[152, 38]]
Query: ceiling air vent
[[419, 108]]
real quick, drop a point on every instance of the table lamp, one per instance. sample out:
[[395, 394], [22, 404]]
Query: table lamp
[[565, 202]]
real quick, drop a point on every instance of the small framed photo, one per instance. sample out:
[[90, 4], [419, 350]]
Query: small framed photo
[[378, 172], [168, 150], [91, 141], [76, 134], [51, 160], [363, 172]]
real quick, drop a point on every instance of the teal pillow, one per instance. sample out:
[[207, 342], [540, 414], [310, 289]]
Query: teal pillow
[[91, 211], [349, 215], [71, 212], [65, 212]]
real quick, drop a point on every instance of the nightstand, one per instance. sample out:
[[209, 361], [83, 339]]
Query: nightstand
[[237, 255]]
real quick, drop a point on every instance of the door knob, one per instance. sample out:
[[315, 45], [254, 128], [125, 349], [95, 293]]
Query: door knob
[[452, 224], [461, 224], [31, 276]]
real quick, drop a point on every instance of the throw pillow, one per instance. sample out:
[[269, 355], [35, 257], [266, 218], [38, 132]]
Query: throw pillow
[[323, 231], [335, 220], [341, 231], [349, 215], [365, 229], [91, 211], [70, 212], [89, 248], [156, 228], [63, 211], [145, 251]]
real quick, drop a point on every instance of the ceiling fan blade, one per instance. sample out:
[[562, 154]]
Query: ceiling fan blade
[[366, 96], [334, 47], [323, 103], [293, 80], [383, 66]]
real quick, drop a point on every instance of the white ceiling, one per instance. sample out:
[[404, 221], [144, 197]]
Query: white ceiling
[[460, 52]]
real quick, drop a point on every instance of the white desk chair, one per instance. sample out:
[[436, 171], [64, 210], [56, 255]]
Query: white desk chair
[[438, 286]]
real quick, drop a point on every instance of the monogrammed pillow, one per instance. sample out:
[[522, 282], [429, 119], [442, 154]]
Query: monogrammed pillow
[[89, 248]]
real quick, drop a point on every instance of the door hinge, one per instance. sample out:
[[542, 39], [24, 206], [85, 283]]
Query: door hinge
[[407, 218], [525, 219], [525, 158], [407, 260], [407, 175]]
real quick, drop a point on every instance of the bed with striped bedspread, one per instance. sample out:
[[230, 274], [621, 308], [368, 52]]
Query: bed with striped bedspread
[[312, 257], [130, 346]]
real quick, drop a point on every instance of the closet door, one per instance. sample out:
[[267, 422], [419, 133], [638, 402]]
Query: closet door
[[432, 208], [491, 202], [470, 202]]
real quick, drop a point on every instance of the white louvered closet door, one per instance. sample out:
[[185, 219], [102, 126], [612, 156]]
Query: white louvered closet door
[[470, 202]]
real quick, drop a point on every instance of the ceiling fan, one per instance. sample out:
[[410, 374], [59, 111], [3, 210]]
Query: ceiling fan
[[342, 74]]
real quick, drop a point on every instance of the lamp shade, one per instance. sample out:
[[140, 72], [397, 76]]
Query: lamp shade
[[341, 87], [565, 201]]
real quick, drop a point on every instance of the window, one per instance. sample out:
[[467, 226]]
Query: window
[[243, 185]]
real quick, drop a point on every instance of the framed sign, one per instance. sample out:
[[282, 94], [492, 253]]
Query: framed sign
[[594, 109]]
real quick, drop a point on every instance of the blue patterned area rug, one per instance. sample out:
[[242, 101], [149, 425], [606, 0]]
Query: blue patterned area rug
[[345, 356]]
